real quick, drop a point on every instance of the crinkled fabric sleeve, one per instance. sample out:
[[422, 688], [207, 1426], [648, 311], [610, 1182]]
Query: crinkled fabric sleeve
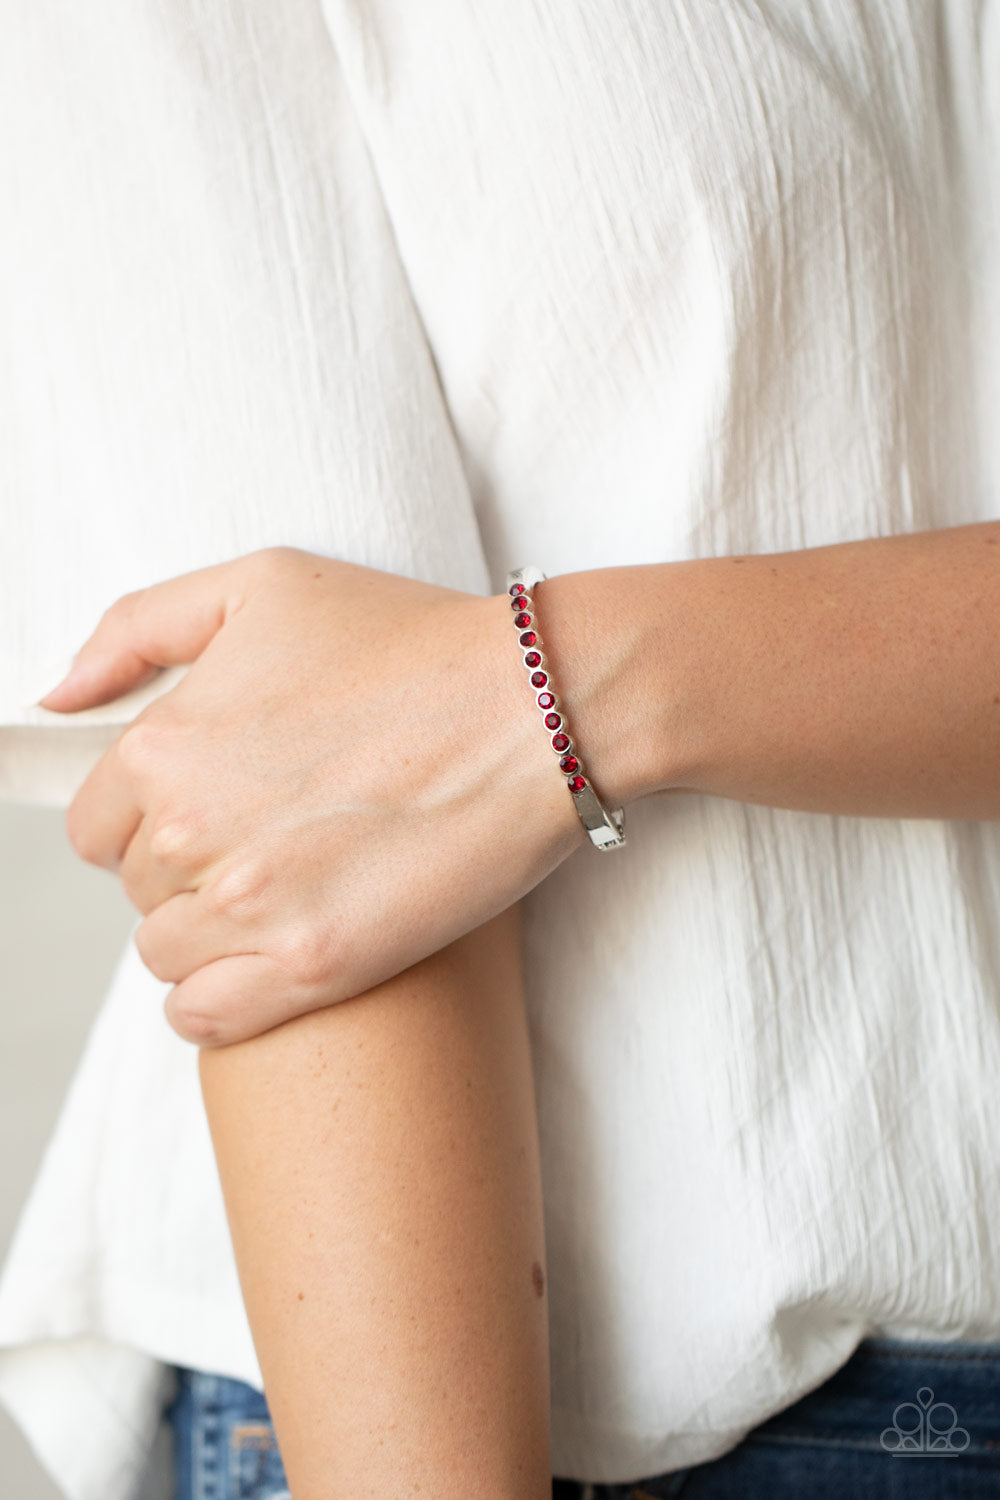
[[209, 343], [209, 346]]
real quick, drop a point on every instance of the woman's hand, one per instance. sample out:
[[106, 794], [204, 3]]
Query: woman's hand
[[351, 775]]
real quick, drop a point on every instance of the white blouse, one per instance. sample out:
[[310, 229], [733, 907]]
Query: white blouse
[[442, 289]]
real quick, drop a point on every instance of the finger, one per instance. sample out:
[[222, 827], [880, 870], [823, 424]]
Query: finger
[[105, 814], [179, 936], [159, 864], [160, 626], [235, 998]]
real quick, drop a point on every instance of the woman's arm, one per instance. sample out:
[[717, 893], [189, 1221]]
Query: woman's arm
[[862, 678], [380, 1167], [353, 772]]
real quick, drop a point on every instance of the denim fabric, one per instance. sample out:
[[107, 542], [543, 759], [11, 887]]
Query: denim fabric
[[897, 1422], [224, 1443]]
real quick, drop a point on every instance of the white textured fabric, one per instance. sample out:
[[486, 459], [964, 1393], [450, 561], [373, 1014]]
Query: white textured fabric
[[441, 288]]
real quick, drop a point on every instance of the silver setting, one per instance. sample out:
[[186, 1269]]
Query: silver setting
[[606, 830]]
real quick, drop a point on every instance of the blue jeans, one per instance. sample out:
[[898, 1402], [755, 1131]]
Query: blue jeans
[[897, 1422]]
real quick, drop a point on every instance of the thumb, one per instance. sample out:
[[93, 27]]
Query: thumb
[[160, 626]]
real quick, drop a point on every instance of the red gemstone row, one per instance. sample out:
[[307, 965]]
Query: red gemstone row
[[520, 602]]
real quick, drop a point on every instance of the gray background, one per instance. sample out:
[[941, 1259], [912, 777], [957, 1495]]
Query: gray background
[[62, 926]]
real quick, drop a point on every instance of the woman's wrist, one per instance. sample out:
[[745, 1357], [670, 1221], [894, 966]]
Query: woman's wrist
[[855, 679], [608, 641]]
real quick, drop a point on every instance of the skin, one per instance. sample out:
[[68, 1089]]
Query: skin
[[318, 806], [861, 679], [299, 824], [388, 1232], [356, 829]]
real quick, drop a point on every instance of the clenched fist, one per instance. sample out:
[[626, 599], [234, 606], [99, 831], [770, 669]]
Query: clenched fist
[[351, 775]]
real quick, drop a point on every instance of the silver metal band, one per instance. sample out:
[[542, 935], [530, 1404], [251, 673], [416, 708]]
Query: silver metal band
[[605, 829]]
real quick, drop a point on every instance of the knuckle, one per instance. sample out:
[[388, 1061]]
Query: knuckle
[[176, 839], [239, 889], [138, 744], [307, 953], [122, 608]]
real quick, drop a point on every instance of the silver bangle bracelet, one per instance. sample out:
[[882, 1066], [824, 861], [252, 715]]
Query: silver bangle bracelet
[[606, 830]]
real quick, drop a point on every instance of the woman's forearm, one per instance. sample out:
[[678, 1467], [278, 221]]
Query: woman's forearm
[[380, 1169], [862, 678]]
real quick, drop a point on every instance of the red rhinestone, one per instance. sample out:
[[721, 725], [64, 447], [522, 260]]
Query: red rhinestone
[[538, 679], [576, 783], [521, 621], [569, 764], [518, 588], [560, 742], [547, 700], [517, 603], [552, 721], [532, 659], [529, 638]]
